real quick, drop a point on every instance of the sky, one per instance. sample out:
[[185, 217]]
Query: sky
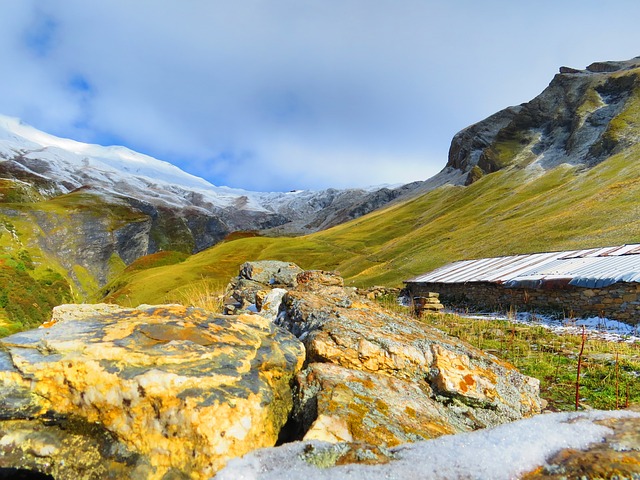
[[276, 95]]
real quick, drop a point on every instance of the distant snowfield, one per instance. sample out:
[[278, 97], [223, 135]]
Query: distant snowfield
[[595, 327], [501, 453]]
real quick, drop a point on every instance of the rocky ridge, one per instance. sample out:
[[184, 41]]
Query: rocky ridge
[[582, 118]]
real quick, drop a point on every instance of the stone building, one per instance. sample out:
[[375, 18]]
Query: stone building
[[579, 283]]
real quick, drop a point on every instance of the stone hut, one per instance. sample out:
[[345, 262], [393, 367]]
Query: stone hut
[[578, 283]]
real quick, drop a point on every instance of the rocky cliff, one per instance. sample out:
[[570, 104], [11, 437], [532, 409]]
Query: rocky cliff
[[582, 118]]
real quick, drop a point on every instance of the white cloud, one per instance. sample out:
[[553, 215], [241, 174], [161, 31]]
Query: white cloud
[[284, 85], [291, 166]]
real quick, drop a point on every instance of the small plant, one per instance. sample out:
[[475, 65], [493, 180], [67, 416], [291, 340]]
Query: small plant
[[584, 337]]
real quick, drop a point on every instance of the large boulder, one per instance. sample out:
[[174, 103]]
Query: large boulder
[[339, 327], [153, 392], [271, 272], [385, 378], [245, 290]]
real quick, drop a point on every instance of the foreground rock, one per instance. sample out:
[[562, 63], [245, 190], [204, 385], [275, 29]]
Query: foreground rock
[[170, 392], [252, 281], [155, 392], [342, 405], [586, 445], [617, 456], [384, 378]]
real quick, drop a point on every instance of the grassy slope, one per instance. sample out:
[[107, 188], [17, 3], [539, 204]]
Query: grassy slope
[[506, 212], [32, 279]]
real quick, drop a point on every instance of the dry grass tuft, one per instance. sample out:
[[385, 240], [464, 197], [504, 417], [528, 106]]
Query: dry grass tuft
[[205, 293]]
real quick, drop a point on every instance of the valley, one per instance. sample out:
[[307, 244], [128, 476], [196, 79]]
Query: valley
[[560, 172], [93, 214]]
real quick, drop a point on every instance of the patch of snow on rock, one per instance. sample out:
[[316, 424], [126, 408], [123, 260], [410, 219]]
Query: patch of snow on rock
[[501, 453]]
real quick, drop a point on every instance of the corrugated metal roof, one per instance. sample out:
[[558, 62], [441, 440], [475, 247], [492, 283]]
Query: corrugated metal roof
[[594, 268]]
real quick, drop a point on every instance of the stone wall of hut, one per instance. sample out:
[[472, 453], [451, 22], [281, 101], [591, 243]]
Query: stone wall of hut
[[620, 301]]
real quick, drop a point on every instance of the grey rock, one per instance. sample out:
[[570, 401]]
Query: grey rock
[[569, 122], [271, 272]]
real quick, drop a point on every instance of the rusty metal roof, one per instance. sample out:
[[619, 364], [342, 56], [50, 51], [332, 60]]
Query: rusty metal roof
[[593, 268]]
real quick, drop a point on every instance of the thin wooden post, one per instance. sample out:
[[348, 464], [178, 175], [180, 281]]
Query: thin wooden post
[[584, 336]]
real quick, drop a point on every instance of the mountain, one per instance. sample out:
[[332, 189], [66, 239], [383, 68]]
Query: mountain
[[55, 166], [582, 118], [560, 172], [73, 215], [174, 210]]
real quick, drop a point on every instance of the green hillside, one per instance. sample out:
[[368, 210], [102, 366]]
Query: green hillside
[[507, 212]]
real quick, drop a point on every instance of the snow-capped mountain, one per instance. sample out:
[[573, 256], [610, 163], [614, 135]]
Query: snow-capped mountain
[[117, 170], [60, 166]]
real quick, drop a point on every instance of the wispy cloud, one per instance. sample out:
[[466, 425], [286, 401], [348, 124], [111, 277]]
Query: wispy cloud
[[285, 94], [40, 34]]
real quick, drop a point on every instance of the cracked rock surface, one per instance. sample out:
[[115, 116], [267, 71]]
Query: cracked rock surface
[[163, 390]]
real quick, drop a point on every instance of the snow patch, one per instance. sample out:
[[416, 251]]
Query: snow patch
[[501, 453], [595, 327]]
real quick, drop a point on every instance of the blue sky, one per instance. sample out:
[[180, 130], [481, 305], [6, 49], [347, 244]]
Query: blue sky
[[291, 94]]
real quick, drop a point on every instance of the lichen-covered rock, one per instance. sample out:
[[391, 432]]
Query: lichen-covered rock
[[617, 456], [271, 272], [68, 448], [467, 387], [182, 390], [338, 404], [311, 280], [358, 334]]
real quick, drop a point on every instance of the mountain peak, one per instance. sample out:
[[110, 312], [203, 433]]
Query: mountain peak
[[581, 118]]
